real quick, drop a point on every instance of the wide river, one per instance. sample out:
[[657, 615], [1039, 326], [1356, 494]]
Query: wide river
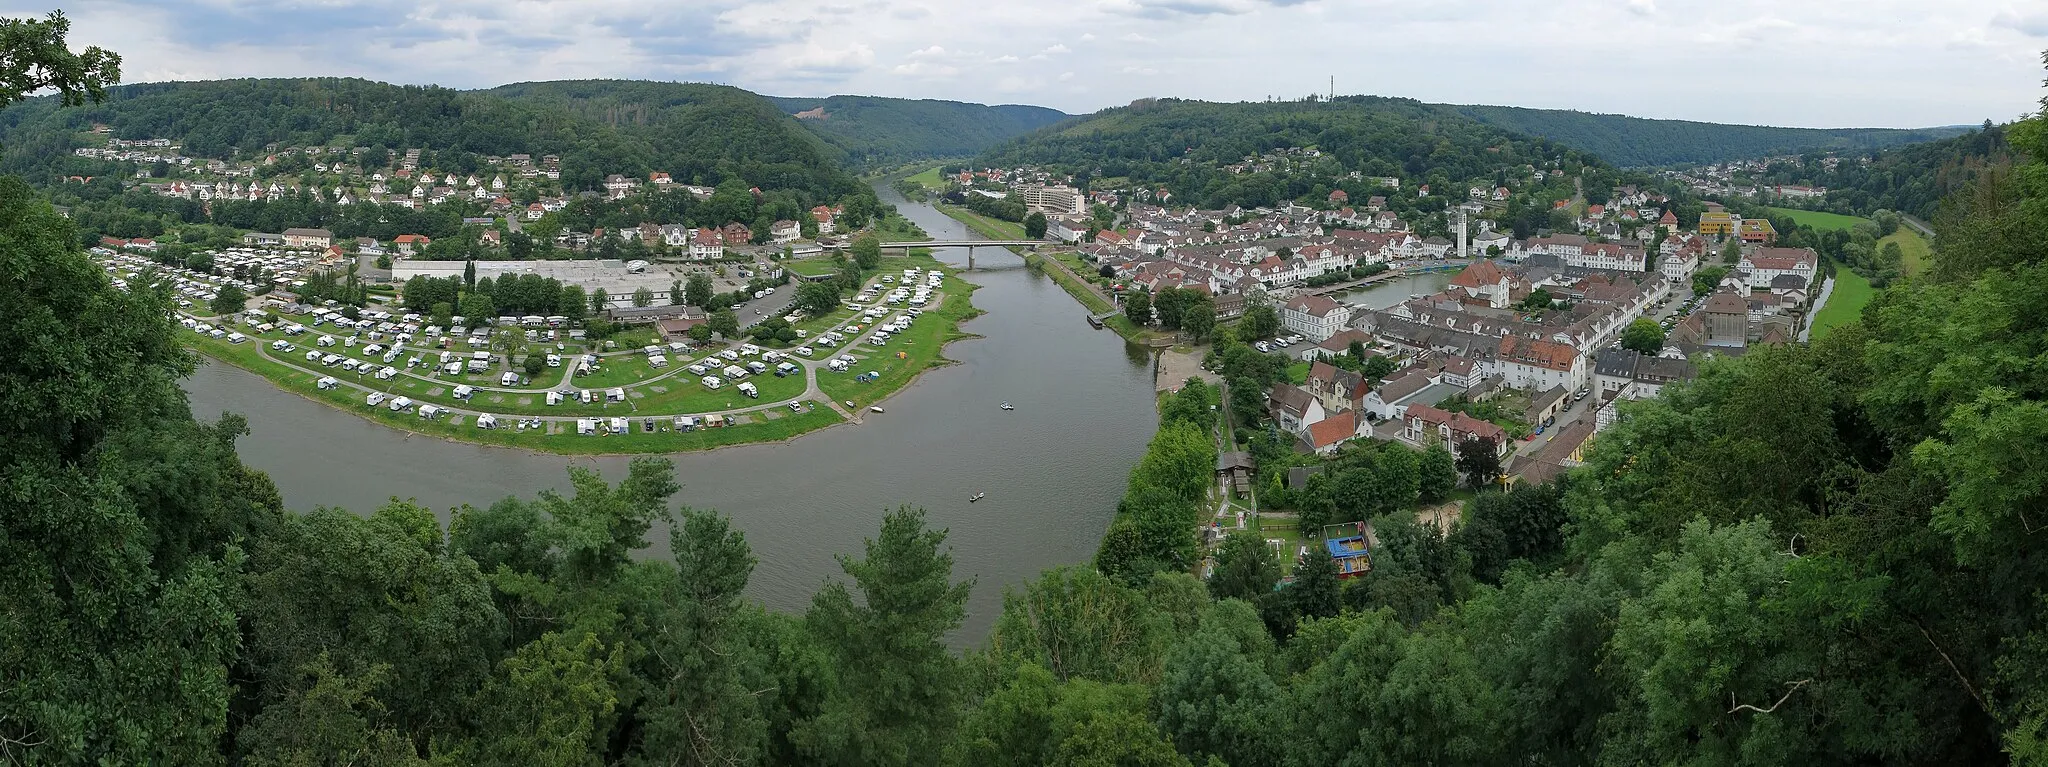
[[1053, 468]]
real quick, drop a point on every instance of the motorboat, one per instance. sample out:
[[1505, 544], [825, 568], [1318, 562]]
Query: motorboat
[[1006, 406], [875, 408], [977, 497], [850, 405]]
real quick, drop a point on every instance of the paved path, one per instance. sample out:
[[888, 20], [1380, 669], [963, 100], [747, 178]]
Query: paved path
[[1826, 289], [812, 391]]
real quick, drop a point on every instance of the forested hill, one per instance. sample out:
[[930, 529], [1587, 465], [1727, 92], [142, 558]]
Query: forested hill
[[1187, 146], [698, 133], [873, 129], [1636, 141], [1910, 179], [704, 127]]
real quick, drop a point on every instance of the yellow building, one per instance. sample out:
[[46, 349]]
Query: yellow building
[[1717, 222]]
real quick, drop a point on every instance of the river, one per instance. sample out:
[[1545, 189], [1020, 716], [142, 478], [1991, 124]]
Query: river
[[1385, 294], [1053, 468]]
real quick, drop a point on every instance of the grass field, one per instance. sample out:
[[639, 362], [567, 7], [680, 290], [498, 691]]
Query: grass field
[[992, 228], [929, 179], [1912, 245], [1819, 220], [812, 267], [1846, 304]]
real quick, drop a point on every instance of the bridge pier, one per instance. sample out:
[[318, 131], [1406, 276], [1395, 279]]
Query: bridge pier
[[970, 258]]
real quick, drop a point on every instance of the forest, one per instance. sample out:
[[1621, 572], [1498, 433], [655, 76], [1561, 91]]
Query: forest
[[1183, 146], [1910, 179], [1637, 142], [699, 133], [1813, 554], [872, 131]]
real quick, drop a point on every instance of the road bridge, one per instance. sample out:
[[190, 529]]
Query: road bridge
[[970, 245]]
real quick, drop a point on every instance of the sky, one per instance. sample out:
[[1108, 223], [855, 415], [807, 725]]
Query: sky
[[1810, 63]]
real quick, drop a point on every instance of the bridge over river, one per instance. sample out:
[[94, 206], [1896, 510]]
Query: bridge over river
[[970, 245]]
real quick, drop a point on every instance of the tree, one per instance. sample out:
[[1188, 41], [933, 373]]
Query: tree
[[1198, 317], [675, 293], [698, 289], [1378, 368], [818, 298], [1244, 568], [36, 58], [229, 300], [1643, 335], [1438, 474], [572, 302], [119, 588], [469, 274], [1315, 592], [1731, 251], [383, 261], [1478, 462], [1707, 279], [1034, 226], [897, 683], [534, 366], [478, 307], [643, 297], [599, 301], [724, 323], [867, 252], [1259, 322], [702, 707], [1138, 307]]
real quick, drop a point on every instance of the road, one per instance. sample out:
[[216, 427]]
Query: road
[[1918, 226]]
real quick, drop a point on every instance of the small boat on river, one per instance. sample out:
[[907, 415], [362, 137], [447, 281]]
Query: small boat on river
[[875, 408], [1006, 406], [977, 497]]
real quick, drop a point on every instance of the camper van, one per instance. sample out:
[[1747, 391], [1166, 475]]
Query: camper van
[[554, 360], [554, 398], [326, 382], [401, 404], [486, 421], [350, 365], [508, 379], [375, 399], [586, 426], [616, 395], [387, 373], [749, 390], [430, 411], [330, 359], [452, 368], [464, 391], [734, 372], [712, 382]]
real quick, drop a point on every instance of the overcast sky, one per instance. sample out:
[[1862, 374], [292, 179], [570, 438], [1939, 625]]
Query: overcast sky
[[1818, 63]]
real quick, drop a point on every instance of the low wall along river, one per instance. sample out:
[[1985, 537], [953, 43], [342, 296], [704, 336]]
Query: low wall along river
[[1053, 468]]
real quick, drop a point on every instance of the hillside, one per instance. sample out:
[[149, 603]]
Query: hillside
[[872, 129], [1636, 141], [707, 131], [699, 133], [1200, 151], [1910, 179]]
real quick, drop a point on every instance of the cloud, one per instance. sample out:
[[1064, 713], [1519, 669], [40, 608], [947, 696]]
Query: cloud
[[1961, 67], [1065, 76], [2032, 24]]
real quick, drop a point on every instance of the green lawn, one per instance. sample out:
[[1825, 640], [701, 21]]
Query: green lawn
[[812, 267], [1845, 305], [1819, 220], [922, 346], [929, 179], [1912, 246], [992, 228]]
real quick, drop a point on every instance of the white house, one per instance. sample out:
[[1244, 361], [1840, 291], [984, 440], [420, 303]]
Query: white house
[[1314, 317]]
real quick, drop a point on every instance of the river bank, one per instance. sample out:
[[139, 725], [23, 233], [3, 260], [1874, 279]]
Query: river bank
[[642, 419]]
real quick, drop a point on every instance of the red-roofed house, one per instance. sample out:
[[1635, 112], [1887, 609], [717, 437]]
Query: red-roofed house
[[1484, 282], [1425, 425], [408, 244], [1340, 197], [1325, 435], [824, 216], [1536, 365]]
